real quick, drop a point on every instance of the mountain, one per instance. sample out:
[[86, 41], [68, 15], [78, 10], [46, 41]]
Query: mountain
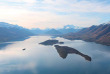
[[69, 29], [64, 30], [39, 31], [11, 32], [36, 31], [53, 32], [71, 26], [99, 34]]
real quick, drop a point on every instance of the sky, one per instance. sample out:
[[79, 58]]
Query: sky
[[54, 13]]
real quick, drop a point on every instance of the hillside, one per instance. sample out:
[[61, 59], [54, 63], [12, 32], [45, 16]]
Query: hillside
[[11, 32], [68, 29], [99, 34], [39, 31], [64, 30], [53, 32]]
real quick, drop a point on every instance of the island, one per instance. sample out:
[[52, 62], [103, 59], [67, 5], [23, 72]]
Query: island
[[51, 42], [65, 50]]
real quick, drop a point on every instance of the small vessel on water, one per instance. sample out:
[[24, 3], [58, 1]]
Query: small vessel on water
[[24, 49]]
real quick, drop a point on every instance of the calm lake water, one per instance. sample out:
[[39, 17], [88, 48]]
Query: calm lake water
[[40, 59]]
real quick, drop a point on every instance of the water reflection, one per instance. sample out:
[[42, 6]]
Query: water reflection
[[40, 59], [64, 51]]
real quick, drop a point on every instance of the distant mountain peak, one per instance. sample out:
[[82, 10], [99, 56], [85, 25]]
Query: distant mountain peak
[[4, 24], [99, 34], [8, 25], [107, 23], [71, 26], [11, 32], [53, 31], [64, 30]]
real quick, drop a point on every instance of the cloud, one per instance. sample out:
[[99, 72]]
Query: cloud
[[43, 19], [52, 13], [75, 6], [63, 5], [21, 1]]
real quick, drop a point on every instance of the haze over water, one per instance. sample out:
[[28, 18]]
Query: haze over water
[[40, 59]]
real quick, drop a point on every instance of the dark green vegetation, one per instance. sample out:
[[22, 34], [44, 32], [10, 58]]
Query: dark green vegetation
[[99, 34], [11, 32], [65, 50], [51, 42]]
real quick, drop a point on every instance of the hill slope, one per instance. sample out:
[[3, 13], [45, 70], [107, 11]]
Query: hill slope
[[99, 34], [53, 32], [11, 32], [68, 29], [64, 30]]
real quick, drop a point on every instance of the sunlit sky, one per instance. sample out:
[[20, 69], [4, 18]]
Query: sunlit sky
[[54, 13]]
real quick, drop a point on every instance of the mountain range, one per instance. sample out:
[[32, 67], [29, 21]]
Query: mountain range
[[12, 32], [68, 29], [99, 34], [64, 30], [53, 32]]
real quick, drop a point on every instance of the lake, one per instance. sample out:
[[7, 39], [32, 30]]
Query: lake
[[41, 59]]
